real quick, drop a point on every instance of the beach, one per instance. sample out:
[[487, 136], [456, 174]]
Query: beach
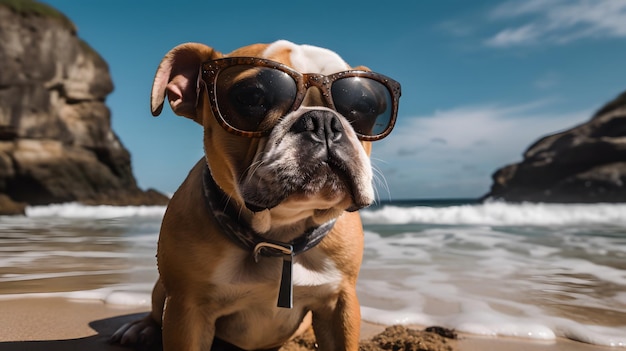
[[56, 324], [504, 277]]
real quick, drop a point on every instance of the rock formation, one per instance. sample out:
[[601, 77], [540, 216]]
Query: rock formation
[[56, 141], [584, 164]]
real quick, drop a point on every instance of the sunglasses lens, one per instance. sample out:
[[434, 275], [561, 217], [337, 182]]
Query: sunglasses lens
[[251, 98], [365, 102]]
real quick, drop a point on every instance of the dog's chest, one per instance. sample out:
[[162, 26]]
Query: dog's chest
[[249, 291], [241, 278]]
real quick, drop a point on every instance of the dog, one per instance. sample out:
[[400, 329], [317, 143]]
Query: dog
[[263, 239]]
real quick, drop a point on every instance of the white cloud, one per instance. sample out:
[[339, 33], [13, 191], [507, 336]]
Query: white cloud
[[470, 126], [559, 21], [457, 150], [514, 36]]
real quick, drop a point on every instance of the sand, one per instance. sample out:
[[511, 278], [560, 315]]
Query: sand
[[54, 324]]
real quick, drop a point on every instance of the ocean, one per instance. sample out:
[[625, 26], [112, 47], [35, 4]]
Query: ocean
[[534, 271]]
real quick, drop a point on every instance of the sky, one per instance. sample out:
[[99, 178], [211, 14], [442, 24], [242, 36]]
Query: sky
[[481, 80]]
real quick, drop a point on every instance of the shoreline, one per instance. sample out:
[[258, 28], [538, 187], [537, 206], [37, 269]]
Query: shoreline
[[58, 324]]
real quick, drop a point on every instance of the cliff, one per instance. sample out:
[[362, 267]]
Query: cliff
[[56, 141], [584, 164]]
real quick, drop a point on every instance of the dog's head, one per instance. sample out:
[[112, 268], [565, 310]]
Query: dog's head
[[288, 128]]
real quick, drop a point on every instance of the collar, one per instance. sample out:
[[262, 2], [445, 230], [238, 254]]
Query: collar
[[248, 239]]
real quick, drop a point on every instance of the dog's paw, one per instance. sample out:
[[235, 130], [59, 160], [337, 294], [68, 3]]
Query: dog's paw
[[142, 334]]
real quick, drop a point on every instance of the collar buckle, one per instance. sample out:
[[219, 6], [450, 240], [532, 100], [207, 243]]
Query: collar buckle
[[273, 249]]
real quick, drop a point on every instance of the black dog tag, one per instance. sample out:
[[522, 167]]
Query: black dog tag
[[285, 292]]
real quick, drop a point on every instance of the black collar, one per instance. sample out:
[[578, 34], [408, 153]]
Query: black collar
[[245, 237]]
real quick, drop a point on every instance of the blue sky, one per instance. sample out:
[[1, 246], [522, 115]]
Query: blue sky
[[481, 80]]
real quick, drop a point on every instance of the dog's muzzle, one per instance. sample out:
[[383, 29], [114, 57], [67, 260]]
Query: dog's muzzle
[[313, 153]]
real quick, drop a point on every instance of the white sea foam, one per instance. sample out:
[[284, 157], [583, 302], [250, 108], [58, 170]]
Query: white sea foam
[[109, 295], [75, 210], [500, 213], [483, 281]]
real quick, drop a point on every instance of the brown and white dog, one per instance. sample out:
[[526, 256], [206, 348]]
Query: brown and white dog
[[269, 214]]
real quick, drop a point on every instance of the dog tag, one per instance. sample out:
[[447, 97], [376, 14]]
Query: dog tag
[[285, 292]]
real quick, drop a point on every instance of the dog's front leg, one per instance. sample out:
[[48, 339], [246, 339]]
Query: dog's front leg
[[338, 327], [186, 326]]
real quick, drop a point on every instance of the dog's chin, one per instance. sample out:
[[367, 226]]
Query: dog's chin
[[311, 212], [325, 215], [306, 206]]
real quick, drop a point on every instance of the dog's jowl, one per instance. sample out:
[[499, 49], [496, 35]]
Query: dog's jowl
[[263, 239]]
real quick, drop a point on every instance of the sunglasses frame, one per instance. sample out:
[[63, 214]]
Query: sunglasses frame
[[211, 69]]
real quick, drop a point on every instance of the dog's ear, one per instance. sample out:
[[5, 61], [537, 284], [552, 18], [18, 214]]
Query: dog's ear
[[178, 76]]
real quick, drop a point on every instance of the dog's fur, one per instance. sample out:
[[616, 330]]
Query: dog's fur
[[209, 287]]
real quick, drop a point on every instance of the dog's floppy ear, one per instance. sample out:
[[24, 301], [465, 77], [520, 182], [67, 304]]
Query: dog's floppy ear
[[178, 77]]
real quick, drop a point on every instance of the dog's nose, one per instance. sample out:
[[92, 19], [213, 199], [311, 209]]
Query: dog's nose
[[321, 126]]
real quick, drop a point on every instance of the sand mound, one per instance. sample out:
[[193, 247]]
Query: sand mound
[[396, 338]]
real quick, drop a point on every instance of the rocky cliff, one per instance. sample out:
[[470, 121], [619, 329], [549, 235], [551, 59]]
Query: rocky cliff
[[584, 164], [56, 141]]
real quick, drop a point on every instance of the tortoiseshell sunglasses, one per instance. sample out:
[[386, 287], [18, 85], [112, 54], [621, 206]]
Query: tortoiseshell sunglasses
[[249, 95]]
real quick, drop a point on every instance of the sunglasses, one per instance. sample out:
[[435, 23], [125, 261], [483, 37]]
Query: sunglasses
[[250, 95]]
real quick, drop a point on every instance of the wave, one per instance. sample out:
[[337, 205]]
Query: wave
[[76, 210], [130, 295], [501, 213], [489, 213]]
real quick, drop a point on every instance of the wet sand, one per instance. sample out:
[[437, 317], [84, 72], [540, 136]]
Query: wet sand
[[55, 324]]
